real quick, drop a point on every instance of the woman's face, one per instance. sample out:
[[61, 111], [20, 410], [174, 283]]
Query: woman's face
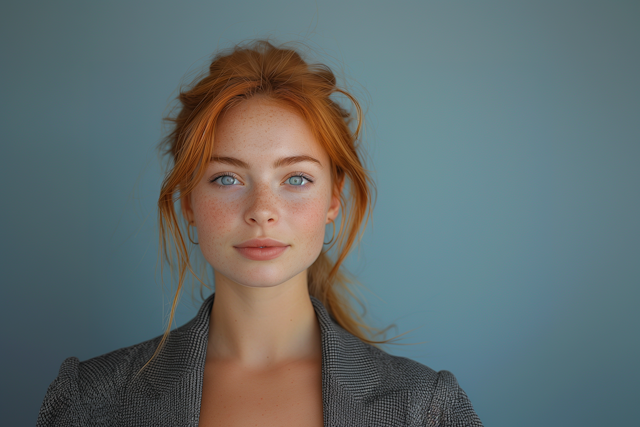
[[263, 183]]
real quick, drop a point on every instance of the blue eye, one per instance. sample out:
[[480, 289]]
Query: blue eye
[[228, 180], [225, 180], [298, 180]]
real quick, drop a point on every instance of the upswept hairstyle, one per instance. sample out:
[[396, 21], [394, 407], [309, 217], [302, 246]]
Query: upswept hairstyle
[[259, 68]]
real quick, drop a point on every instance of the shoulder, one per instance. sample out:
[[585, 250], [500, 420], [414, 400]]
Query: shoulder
[[103, 391], [434, 395], [113, 369], [92, 389], [401, 373]]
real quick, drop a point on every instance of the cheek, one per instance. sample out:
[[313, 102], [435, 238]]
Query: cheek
[[215, 221], [309, 219]]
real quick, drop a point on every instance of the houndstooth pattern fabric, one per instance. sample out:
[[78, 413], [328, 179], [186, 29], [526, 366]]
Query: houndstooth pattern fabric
[[361, 385]]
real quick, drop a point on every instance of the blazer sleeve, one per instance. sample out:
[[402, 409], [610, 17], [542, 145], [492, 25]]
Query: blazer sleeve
[[60, 395], [450, 406]]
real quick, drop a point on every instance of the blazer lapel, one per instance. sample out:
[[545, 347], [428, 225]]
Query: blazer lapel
[[169, 390], [353, 389]]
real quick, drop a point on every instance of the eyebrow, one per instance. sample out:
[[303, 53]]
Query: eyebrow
[[284, 161]]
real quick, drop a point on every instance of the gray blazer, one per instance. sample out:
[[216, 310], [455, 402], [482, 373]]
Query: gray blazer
[[361, 385]]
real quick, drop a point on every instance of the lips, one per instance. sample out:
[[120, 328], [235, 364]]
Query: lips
[[261, 249], [261, 243]]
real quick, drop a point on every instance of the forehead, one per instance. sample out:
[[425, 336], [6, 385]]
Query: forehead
[[262, 126]]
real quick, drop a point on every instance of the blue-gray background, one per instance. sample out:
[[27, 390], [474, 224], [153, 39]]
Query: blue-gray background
[[504, 137]]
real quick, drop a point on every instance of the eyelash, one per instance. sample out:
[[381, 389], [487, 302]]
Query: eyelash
[[300, 174]]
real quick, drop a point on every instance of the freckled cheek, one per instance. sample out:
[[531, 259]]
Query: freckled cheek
[[309, 221], [215, 220]]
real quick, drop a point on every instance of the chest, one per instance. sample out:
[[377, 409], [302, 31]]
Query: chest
[[287, 396]]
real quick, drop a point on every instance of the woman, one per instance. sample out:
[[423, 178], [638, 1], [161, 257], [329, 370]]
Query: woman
[[260, 156]]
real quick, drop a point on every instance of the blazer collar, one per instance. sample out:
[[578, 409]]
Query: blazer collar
[[349, 374]]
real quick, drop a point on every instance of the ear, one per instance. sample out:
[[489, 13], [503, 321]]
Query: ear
[[185, 206], [334, 207]]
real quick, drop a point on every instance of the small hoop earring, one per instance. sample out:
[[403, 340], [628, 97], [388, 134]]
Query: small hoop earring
[[332, 234], [189, 234]]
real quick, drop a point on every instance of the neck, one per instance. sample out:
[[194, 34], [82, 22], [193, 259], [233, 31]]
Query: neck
[[263, 327]]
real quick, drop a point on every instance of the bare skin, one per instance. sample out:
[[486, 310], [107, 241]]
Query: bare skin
[[263, 364], [273, 387]]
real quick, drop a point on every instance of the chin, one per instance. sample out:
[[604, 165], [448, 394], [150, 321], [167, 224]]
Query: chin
[[263, 276]]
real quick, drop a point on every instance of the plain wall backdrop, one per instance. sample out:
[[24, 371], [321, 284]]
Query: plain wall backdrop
[[505, 145]]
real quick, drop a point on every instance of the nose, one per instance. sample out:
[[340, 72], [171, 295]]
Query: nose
[[263, 206]]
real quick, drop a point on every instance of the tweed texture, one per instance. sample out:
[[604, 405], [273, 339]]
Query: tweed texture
[[361, 385]]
